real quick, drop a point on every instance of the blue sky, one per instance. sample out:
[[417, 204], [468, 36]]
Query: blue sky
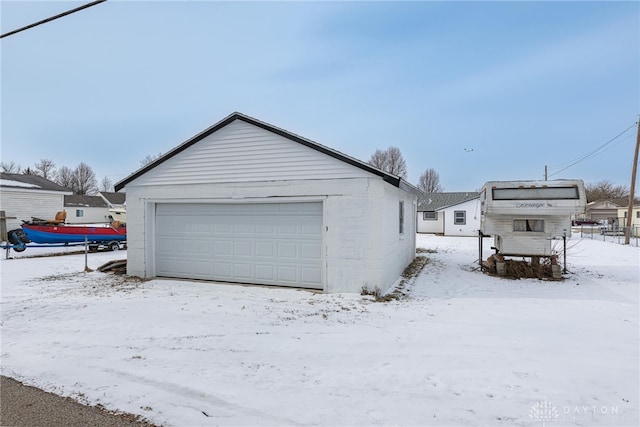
[[477, 91]]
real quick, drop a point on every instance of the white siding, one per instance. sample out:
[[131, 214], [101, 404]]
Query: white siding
[[242, 152], [90, 215], [31, 203], [472, 215], [362, 245], [430, 225]]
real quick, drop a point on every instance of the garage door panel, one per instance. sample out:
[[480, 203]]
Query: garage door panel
[[265, 273], [242, 249], [287, 274], [221, 248], [288, 250], [242, 271], [311, 252], [277, 244], [310, 275], [265, 249]]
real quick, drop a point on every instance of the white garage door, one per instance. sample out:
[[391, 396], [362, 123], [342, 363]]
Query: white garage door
[[262, 243]]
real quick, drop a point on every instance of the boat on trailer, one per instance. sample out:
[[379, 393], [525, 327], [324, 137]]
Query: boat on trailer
[[55, 231]]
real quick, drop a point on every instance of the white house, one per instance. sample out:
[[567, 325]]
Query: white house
[[86, 209], [27, 196], [244, 201], [451, 214]]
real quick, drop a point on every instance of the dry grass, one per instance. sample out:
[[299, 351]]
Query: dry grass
[[408, 276]]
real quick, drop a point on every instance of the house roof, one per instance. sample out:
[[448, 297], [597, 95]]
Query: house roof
[[114, 198], [436, 201], [387, 177], [29, 183], [77, 201], [618, 202]]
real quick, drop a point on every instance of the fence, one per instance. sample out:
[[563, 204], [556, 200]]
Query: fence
[[611, 234]]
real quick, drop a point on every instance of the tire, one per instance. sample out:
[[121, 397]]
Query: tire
[[18, 240], [114, 246]]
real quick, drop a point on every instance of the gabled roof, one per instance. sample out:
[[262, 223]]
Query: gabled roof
[[113, 198], [387, 177], [618, 202], [436, 201], [79, 201], [29, 183]]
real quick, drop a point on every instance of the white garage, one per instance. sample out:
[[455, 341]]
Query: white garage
[[246, 202], [262, 243]]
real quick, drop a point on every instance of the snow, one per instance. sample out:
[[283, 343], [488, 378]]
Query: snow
[[12, 183], [463, 349]]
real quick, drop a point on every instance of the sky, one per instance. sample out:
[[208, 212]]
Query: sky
[[478, 91]]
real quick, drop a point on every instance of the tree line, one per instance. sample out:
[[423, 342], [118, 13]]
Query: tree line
[[82, 180]]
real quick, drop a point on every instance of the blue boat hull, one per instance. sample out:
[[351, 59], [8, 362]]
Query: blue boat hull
[[38, 236]]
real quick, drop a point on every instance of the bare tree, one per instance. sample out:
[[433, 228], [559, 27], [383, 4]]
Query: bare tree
[[430, 182], [150, 158], [106, 184], [379, 159], [85, 180], [606, 190], [46, 169], [66, 178], [390, 160], [10, 167]]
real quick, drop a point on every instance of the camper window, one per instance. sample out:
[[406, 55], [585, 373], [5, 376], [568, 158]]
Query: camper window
[[529, 225], [536, 193]]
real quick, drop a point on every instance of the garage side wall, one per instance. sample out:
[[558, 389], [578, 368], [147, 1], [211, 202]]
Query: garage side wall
[[398, 248], [358, 214]]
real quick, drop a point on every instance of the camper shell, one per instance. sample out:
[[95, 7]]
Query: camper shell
[[524, 217]]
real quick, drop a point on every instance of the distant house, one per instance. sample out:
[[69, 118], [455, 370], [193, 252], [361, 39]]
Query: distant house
[[103, 208], [451, 214], [635, 217], [83, 209], [600, 210], [27, 196]]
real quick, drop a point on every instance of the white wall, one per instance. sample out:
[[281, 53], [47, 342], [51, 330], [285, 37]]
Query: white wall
[[472, 225], [90, 215], [26, 204], [430, 225], [362, 243]]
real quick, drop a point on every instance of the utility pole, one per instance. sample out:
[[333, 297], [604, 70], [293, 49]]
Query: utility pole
[[545, 172], [627, 234]]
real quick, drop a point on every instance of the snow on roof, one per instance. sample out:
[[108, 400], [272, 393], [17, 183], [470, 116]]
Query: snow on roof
[[12, 183]]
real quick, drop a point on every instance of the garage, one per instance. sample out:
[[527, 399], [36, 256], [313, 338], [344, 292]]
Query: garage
[[259, 243], [244, 201]]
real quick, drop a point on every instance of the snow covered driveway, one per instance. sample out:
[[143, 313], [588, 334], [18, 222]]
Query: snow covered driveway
[[463, 349]]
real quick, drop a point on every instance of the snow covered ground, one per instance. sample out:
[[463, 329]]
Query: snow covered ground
[[463, 349]]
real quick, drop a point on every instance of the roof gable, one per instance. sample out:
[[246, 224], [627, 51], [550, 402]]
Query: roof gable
[[233, 131], [436, 201], [29, 183]]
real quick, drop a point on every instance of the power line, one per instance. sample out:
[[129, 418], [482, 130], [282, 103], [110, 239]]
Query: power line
[[594, 152], [60, 15]]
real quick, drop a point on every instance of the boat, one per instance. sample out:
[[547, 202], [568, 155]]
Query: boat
[[64, 233], [55, 231]]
